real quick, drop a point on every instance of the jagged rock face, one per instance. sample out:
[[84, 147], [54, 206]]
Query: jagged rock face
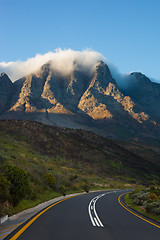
[[29, 90], [49, 90], [103, 99], [6, 88], [145, 94], [82, 100], [92, 101]]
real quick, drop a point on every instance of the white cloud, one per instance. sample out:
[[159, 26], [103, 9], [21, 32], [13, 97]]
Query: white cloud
[[122, 80], [63, 61]]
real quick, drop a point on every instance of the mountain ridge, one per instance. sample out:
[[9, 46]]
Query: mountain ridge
[[81, 100]]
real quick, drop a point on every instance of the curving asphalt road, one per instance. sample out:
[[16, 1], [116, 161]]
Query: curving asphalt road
[[92, 216]]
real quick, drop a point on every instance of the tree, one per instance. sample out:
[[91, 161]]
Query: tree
[[4, 188], [49, 180], [19, 187]]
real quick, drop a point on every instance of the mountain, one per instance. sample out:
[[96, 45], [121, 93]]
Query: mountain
[[145, 94], [86, 101], [6, 89]]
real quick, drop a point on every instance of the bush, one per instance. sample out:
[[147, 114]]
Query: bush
[[62, 190], [152, 196], [133, 194], [73, 178], [19, 187], [139, 198], [152, 207], [86, 188], [157, 210], [4, 188], [148, 199], [155, 190], [138, 201], [49, 180]]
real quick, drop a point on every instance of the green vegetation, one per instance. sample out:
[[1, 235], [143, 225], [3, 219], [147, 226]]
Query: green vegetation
[[19, 184], [29, 203], [4, 188], [39, 162], [49, 180], [146, 202]]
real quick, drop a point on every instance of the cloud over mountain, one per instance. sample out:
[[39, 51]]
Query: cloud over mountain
[[63, 61]]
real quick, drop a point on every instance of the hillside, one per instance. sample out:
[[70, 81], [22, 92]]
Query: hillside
[[38, 148]]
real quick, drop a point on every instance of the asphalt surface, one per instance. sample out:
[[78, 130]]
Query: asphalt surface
[[90, 216]]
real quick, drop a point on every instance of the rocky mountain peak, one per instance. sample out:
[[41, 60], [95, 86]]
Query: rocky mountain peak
[[46, 67], [144, 93], [5, 82], [4, 77], [3, 74], [102, 75], [100, 63], [137, 78], [6, 89], [101, 66]]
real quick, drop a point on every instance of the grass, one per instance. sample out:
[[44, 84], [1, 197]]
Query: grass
[[140, 209], [26, 204], [115, 165], [21, 154]]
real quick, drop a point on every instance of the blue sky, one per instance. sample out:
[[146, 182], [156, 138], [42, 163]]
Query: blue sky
[[126, 32]]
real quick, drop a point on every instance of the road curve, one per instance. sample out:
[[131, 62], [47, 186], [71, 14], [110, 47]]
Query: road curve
[[90, 216]]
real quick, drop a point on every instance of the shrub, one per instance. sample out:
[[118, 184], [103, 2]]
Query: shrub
[[138, 202], [86, 188], [155, 190], [62, 190], [4, 188], [139, 197], [19, 187], [149, 200], [152, 196], [73, 178], [151, 207], [49, 180], [133, 194], [157, 210]]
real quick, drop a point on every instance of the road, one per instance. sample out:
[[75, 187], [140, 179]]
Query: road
[[91, 216]]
